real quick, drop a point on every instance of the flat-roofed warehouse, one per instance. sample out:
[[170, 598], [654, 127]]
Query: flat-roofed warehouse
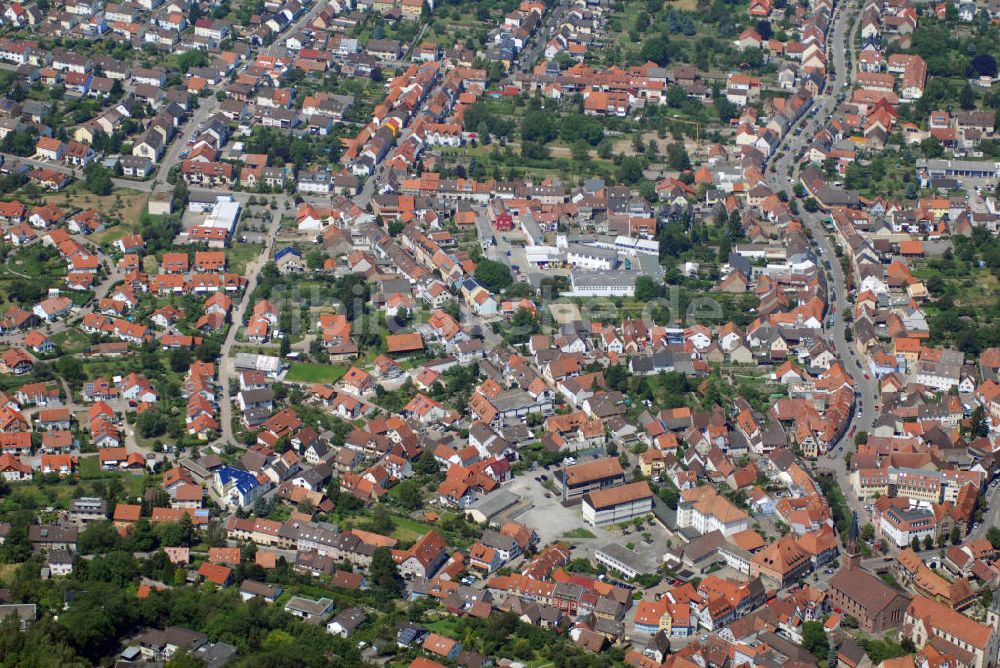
[[617, 504], [579, 479], [491, 506]]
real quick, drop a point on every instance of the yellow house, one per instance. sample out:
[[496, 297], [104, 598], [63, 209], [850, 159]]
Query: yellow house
[[651, 463], [470, 289], [870, 483], [412, 9], [908, 347], [84, 134], [917, 292]]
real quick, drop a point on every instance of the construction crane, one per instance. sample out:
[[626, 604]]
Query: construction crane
[[696, 124]]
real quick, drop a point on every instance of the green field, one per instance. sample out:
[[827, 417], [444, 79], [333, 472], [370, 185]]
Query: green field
[[41, 493], [71, 341], [315, 373], [36, 495], [90, 469], [407, 529], [239, 255], [446, 627]]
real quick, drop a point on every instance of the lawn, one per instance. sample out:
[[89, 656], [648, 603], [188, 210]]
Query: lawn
[[889, 579], [445, 626], [36, 495], [71, 341], [579, 532], [408, 530], [90, 467], [302, 372], [238, 256]]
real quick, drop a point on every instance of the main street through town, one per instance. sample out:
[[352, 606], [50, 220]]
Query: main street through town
[[785, 166]]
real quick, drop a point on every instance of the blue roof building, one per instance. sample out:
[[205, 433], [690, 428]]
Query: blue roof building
[[238, 488]]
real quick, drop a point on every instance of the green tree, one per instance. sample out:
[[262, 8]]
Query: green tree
[[20, 142], [385, 575], [576, 127], [814, 639], [646, 289], [630, 170], [967, 98], [523, 325], [494, 276], [180, 359], [98, 537], [867, 532], [928, 542], [676, 97], [70, 369], [677, 157], [143, 537], [531, 150], [315, 259], [984, 65], [97, 179], [186, 529], [915, 544], [152, 423], [725, 109], [382, 521], [993, 535], [539, 126], [932, 147], [426, 464], [605, 149], [116, 567], [656, 49], [978, 426], [408, 494]]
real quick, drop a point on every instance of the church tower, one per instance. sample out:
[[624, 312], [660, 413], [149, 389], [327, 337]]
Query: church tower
[[993, 614], [852, 547]]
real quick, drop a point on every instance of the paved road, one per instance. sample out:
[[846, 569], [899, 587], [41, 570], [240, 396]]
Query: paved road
[[207, 106], [10, 158], [293, 28], [844, 24], [991, 518], [252, 274], [528, 55]]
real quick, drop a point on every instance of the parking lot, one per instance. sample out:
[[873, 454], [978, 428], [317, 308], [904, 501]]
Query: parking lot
[[550, 519]]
